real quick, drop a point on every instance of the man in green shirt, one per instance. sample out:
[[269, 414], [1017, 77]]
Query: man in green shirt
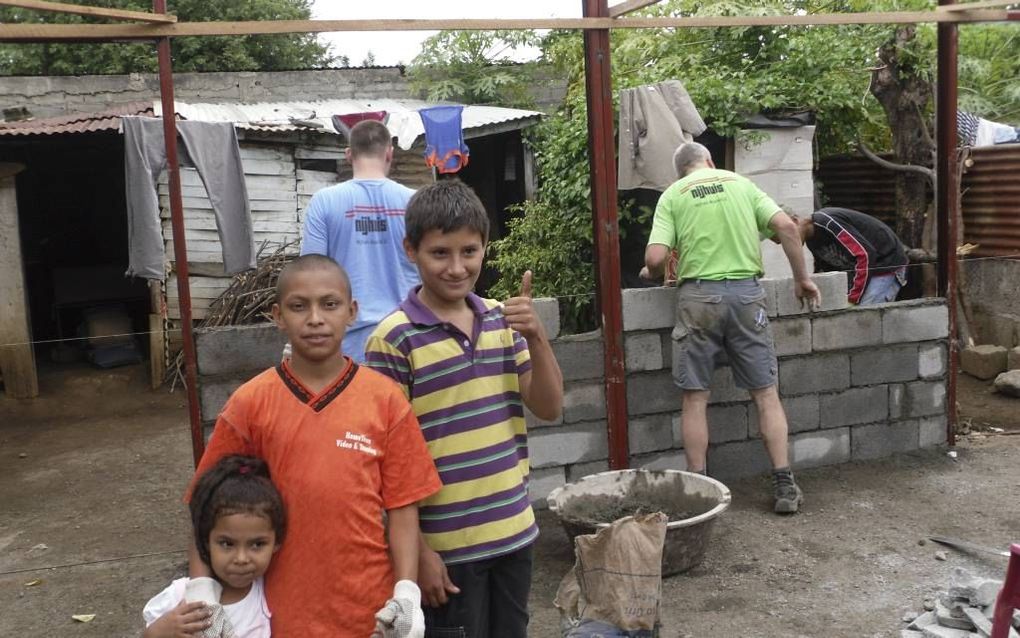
[[714, 219]]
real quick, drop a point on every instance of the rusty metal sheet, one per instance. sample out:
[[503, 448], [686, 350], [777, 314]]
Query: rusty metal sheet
[[105, 120], [991, 200]]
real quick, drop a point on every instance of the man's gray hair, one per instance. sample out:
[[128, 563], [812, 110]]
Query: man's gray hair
[[688, 155]]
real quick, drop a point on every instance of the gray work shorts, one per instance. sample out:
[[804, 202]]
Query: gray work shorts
[[714, 317]]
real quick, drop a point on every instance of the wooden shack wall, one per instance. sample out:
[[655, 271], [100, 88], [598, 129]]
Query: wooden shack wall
[[281, 179]]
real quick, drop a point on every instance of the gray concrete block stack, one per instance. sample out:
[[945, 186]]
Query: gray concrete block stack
[[857, 383], [963, 611]]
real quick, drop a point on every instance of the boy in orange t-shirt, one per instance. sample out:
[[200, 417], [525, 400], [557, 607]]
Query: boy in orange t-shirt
[[343, 446]]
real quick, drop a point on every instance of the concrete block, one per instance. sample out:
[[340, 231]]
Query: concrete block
[[214, 392], [824, 447], [650, 433], [643, 351], [667, 348], [853, 406], [791, 335], [931, 360], [725, 423], [739, 459], [854, 328], [909, 321], [232, 349], [580, 356], [568, 444], [1013, 359], [922, 621], [921, 398], [802, 414], [938, 631], [946, 617], [724, 388], [673, 460], [583, 401], [652, 392], [999, 329], [531, 421], [771, 300], [548, 311], [649, 308], [832, 285], [976, 590], [884, 365], [542, 482], [880, 439], [817, 373], [932, 431], [984, 362], [786, 299], [578, 471], [981, 624]]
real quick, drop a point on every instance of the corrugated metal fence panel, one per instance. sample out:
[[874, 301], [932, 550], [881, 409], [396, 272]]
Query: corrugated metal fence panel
[[859, 184], [991, 195], [991, 200]]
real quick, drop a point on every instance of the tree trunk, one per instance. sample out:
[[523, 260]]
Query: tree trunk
[[904, 96]]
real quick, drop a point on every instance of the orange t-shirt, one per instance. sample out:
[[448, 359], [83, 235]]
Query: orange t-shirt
[[339, 458]]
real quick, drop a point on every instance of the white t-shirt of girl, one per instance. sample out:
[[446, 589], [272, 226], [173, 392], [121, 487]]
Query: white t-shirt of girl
[[249, 616]]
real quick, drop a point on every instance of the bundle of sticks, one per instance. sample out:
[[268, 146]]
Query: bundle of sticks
[[247, 300]]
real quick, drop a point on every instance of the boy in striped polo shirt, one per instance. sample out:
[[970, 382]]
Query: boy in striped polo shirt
[[469, 366]]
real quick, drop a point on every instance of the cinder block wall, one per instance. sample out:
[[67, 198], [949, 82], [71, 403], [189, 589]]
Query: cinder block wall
[[857, 383], [992, 287]]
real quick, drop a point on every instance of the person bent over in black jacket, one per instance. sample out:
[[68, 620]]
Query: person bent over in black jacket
[[869, 251]]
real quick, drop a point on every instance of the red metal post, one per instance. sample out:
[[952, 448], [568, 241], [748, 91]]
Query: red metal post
[[166, 94], [947, 199], [602, 163]]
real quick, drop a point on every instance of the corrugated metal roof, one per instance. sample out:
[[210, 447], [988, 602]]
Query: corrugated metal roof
[[105, 120], [403, 120]]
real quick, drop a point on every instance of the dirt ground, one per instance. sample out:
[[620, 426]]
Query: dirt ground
[[91, 523]]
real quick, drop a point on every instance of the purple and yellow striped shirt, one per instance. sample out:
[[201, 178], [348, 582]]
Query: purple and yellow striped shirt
[[465, 390]]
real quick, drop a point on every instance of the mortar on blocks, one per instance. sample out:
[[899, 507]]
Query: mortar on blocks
[[583, 506]]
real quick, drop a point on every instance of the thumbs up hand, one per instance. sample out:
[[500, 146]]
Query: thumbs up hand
[[520, 313]]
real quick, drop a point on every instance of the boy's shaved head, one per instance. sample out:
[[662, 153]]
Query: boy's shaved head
[[310, 262]]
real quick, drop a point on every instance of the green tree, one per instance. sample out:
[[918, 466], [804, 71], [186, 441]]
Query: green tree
[[219, 53], [475, 67], [732, 73]]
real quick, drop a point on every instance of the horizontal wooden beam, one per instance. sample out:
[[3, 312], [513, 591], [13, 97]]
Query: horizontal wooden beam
[[629, 6], [93, 12], [107, 32], [971, 6]]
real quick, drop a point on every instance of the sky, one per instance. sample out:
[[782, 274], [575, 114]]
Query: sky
[[400, 47]]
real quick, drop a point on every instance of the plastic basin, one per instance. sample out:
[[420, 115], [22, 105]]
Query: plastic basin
[[580, 506]]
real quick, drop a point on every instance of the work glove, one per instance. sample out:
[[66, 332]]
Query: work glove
[[208, 591], [287, 350], [402, 616]]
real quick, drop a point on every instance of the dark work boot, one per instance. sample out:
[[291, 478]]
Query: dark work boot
[[788, 496]]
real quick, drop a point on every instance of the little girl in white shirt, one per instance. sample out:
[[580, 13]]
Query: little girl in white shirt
[[239, 522]]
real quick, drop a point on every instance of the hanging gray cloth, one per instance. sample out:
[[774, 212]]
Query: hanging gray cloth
[[654, 120], [212, 147]]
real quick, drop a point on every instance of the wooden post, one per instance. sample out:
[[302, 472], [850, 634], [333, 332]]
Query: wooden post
[[157, 336], [17, 360]]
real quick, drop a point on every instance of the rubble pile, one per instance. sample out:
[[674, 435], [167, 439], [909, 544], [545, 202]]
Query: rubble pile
[[964, 611]]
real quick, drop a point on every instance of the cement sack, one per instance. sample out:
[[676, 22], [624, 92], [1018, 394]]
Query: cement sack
[[615, 587]]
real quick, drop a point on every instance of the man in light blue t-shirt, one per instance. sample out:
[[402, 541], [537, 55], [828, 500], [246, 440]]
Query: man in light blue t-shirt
[[360, 224]]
